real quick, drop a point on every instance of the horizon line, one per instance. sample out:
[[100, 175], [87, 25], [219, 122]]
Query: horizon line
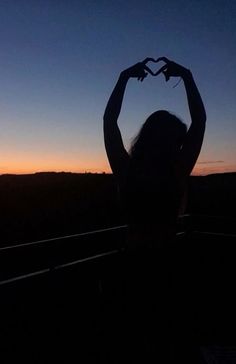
[[98, 172]]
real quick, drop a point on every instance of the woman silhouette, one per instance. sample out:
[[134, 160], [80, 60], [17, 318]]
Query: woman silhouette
[[152, 176], [152, 179]]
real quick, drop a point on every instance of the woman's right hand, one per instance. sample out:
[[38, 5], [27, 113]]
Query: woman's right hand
[[136, 71]]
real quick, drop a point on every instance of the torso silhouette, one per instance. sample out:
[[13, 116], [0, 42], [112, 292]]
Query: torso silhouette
[[152, 198]]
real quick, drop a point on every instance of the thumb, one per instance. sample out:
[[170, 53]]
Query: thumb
[[166, 74]]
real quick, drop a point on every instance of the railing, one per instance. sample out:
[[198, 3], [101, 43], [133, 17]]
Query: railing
[[40, 257], [53, 288], [20, 261]]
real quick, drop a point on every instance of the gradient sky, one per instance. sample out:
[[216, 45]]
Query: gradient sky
[[59, 61]]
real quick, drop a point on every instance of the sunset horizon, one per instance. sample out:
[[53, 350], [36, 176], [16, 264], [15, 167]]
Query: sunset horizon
[[59, 64], [198, 171]]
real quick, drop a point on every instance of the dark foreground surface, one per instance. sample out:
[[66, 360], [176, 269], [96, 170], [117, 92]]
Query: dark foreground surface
[[177, 305], [45, 205]]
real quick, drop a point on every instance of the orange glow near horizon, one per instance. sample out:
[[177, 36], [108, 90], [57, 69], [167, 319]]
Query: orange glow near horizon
[[203, 171], [21, 166], [24, 162], [28, 169]]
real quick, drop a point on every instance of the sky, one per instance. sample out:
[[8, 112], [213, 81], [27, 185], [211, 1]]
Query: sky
[[59, 62]]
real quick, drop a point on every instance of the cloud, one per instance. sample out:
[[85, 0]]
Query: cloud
[[210, 162]]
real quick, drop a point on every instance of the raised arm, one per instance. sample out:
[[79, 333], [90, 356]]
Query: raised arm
[[116, 152], [193, 142]]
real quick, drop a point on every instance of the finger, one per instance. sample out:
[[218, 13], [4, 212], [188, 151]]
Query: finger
[[148, 59], [166, 74], [149, 70], [162, 69], [144, 76], [164, 59]]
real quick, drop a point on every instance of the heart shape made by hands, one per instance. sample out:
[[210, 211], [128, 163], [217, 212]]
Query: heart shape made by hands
[[161, 70], [156, 73]]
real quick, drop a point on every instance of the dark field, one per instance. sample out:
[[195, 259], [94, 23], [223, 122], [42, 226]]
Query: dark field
[[79, 311], [46, 205]]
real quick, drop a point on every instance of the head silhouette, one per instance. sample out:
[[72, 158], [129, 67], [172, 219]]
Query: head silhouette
[[161, 135]]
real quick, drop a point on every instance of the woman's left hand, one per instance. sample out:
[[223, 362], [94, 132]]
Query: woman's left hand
[[172, 69]]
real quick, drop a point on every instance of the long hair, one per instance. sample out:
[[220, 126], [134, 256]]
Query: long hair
[[152, 182], [162, 134]]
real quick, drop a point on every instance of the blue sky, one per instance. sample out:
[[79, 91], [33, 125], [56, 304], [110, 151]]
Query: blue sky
[[59, 61]]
